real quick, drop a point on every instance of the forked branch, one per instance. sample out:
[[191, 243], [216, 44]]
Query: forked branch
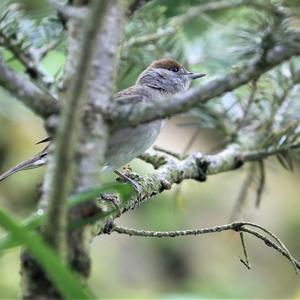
[[240, 227]]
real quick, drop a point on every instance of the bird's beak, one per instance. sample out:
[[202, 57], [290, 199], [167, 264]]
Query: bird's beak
[[195, 75]]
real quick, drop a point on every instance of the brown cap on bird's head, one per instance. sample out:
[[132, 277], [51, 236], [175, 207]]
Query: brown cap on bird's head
[[166, 63], [167, 76], [173, 65]]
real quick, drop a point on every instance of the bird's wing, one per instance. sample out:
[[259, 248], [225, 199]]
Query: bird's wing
[[46, 140], [133, 94]]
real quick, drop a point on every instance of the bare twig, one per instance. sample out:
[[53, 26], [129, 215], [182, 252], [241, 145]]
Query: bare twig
[[242, 196], [184, 153], [246, 260], [263, 153], [151, 37], [190, 142], [261, 183], [236, 226], [159, 234], [250, 100], [269, 243], [168, 152], [155, 159]]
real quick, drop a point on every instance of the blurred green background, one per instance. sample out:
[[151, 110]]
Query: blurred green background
[[206, 266]]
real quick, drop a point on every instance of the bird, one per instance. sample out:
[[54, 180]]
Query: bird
[[162, 78]]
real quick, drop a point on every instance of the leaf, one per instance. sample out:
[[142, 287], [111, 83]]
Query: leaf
[[285, 160], [65, 281], [38, 218]]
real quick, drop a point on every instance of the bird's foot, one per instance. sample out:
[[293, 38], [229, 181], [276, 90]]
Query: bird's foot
[[137, 188], [111, 198]]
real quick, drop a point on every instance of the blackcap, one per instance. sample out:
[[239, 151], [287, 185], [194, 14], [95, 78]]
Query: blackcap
[[163, 78]]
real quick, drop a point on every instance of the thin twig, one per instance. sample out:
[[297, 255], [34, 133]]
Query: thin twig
[[190, 142], [177, 233], [253, 155], [236, 226], [169, 152], [184, 153], [268, 242], [246, 260], [250, 100], [242, 196], [156, 160], [151, 37], [261, 183], [278, 241]]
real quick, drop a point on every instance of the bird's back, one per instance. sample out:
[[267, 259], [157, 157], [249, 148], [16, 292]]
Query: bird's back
[[125, 144]]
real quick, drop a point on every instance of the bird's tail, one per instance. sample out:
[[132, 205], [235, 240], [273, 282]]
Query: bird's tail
[[31, 163]]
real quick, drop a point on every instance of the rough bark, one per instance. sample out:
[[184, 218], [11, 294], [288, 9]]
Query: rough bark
[[80, 143]]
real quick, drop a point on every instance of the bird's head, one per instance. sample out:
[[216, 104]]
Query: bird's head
[[167, 76]]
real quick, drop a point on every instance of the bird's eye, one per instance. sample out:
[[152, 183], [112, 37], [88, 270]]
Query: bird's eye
[[174, 69]]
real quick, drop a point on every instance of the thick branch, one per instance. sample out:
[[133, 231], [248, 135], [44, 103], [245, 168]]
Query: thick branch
[[195, 166], [92, 145], [159, 109], [100, 88], [62, 166], [89, 80], [39, 102]]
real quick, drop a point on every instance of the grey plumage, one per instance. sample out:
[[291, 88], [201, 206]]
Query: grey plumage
[[162, 78]]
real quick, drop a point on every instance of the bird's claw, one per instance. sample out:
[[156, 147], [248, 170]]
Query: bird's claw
[[137, 188], [111, 198]]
